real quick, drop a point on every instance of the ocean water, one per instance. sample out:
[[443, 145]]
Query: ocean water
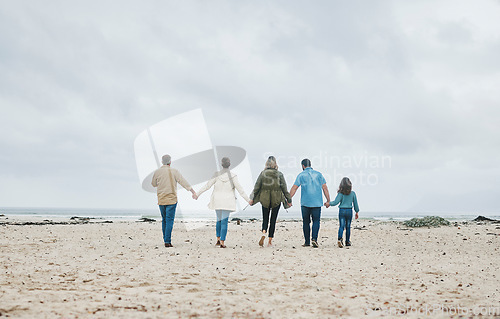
[[247, 213]]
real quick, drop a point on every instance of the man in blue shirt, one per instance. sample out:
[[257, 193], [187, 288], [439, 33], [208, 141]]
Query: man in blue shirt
[[311, 200]]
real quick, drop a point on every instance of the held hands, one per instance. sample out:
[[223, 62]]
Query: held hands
[[195, 196], [250, 202], [327, 204], [289, 205]]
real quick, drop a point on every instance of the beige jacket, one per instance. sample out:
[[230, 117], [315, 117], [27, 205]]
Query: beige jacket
[[165, 179], [223, 196]]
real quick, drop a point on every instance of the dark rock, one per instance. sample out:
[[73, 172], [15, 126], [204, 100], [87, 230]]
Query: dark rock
[[484, 219], [427, 221], [73, 221], [237, 220]]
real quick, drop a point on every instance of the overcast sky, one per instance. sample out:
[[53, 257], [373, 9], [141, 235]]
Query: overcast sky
[[412, 85]]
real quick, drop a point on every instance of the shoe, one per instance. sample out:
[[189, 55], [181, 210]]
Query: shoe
[[306, 245], [168, 245], [341, 244], [218, 243], [314, 243], [222, 246], [261, 241], [348, 243]]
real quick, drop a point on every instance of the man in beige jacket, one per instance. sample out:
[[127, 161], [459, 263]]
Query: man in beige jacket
[[165, 179]]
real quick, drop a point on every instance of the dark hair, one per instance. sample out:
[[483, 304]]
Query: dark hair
[[345, 186], [306, 162]]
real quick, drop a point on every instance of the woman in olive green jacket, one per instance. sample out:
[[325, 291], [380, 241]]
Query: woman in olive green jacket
[[270, 190]]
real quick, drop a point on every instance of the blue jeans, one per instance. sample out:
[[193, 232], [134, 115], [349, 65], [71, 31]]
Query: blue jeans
[[167, 221], [307, 214], [221, 225], [345, 217]]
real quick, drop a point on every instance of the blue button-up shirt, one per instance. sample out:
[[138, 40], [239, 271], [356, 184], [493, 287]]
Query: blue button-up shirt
[[312, 187]]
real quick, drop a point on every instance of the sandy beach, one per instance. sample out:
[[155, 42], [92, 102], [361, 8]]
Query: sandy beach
[[122, 270]]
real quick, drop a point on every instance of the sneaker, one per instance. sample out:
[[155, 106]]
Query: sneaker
[[348, 243], [315, 243], [341, 244], [261, 241]]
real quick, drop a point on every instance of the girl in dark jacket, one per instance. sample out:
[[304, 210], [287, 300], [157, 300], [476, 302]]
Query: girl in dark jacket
[[270, 190]]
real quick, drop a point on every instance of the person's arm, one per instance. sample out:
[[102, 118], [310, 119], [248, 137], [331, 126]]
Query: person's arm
[[154, 181], [295, 186], [240, 189], [337, 199], [355, 203], [327, 195], [256, 189], [285, 190], [207, 186], [293, 190], [181, 180]]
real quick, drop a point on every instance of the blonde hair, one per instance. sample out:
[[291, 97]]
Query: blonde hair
[[271, 163]]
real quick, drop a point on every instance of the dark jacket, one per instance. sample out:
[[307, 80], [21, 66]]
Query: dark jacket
[[270, 189]]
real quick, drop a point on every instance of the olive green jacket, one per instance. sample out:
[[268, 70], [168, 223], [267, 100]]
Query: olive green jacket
[[270, 189]]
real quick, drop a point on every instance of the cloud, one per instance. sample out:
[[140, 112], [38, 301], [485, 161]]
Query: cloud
[[413, 81]]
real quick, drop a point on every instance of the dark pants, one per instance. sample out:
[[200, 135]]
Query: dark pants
[[309, 213], [265, 219]]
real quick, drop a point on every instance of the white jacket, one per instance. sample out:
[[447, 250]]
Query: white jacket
[[223, 196]]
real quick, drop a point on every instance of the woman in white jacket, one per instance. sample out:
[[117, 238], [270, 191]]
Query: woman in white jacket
[[223, 198]]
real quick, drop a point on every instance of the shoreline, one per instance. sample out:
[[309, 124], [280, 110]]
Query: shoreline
[[11, 218], [293, 214]]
